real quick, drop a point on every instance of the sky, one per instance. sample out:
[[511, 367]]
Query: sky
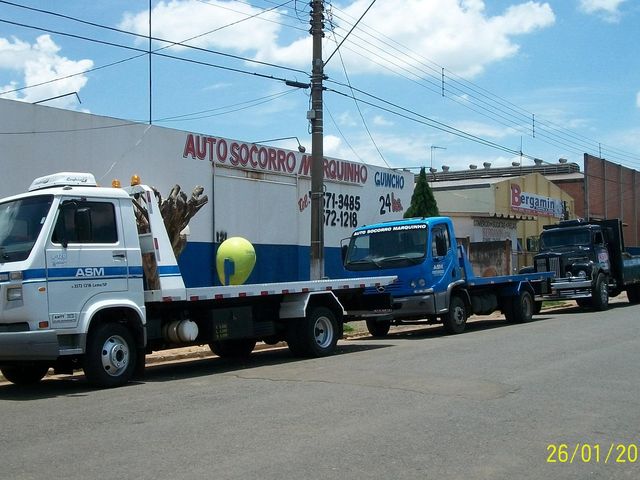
[[415, 83]]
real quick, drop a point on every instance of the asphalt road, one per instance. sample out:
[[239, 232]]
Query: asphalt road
[[489, 404]]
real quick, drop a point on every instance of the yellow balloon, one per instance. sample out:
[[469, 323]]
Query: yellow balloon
[[240, 257]]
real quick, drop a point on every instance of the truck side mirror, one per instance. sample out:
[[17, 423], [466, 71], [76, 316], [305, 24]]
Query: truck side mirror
[[343, 252]]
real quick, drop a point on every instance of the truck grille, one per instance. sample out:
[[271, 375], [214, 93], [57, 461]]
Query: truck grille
[[549, 264]]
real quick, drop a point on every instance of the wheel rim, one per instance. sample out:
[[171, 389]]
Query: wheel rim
[[458, 315], [115, 355], [323, 332]]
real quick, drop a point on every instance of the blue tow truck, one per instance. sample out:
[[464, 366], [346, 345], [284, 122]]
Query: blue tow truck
[[435, 279]]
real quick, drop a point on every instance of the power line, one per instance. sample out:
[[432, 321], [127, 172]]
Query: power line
[[346, 75], [104, 42], [423, 119], [170, 42], [489, 104]]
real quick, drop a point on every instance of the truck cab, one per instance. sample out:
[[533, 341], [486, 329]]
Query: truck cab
[[435, 278], [588, 260], [68, 249], [421, 252]]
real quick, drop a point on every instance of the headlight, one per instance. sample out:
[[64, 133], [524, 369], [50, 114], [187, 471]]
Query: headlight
[[422, 282], [582, 274], [413, 284], [14, 293]]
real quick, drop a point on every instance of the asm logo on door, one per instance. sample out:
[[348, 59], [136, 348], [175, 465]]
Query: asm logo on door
[[90, 272]]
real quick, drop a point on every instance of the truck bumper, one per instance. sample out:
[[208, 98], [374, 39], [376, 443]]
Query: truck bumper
[[567, 289], [414, 306], [40, 345]]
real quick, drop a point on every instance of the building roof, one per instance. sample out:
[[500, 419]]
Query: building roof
[[546, 169]]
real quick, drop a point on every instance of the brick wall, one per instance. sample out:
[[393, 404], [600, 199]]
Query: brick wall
[[613, 191]]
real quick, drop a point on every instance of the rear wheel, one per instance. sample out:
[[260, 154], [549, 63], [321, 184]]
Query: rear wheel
[[600, 294], [537, 307], [455, 320], [520, 308], [633, 293], [378, 329], [315, 335], [110, 358], [237, 348], [24, 374]]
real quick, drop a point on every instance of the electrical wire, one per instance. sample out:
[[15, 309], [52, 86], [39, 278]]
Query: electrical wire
[[174, 57], [364, 122], [487, 103]]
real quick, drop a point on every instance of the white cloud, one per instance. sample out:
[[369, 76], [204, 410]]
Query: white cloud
[[454, 34], [345, 119], [39, 63], [457, 34], [332, 146], [180, 20], [380, 121], [607, 9]]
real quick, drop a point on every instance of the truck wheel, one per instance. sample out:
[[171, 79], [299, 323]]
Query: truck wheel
[[537, 307], [237, 348], [110, 358], [600, 294], [316, 335], [521, 308], [633, 293], [454, 321], [583, 302], [24, 374], [378, 329]]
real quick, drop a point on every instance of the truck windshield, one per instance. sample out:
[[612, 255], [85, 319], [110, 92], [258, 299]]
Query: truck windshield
[[563, 238], [386, 249], [20, 224]]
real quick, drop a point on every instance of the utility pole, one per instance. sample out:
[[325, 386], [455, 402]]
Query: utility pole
[[317, 151]]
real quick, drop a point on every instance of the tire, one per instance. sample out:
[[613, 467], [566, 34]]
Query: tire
[[520, 308], [537, 307], [24, 374], [110, 359], [633, 293], [141, 361], [583, 302], [378, 329], [455, 320], [237, 348], [316, 335], [600, 294]]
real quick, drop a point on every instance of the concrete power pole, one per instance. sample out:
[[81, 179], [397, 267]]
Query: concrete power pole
[[317, 152]]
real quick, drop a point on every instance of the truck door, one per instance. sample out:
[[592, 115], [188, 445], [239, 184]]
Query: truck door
[[443, 268], [85, 257]]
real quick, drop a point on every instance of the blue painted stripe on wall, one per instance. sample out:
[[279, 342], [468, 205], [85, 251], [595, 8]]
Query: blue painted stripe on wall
[[274, 263]]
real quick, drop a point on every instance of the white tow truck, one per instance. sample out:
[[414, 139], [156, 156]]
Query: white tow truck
[[81, 287]]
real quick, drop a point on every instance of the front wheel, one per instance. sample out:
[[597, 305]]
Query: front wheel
[[455, 320], [378, 329], [110, 358], [24, 374], [600, 294], [315, 335]]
